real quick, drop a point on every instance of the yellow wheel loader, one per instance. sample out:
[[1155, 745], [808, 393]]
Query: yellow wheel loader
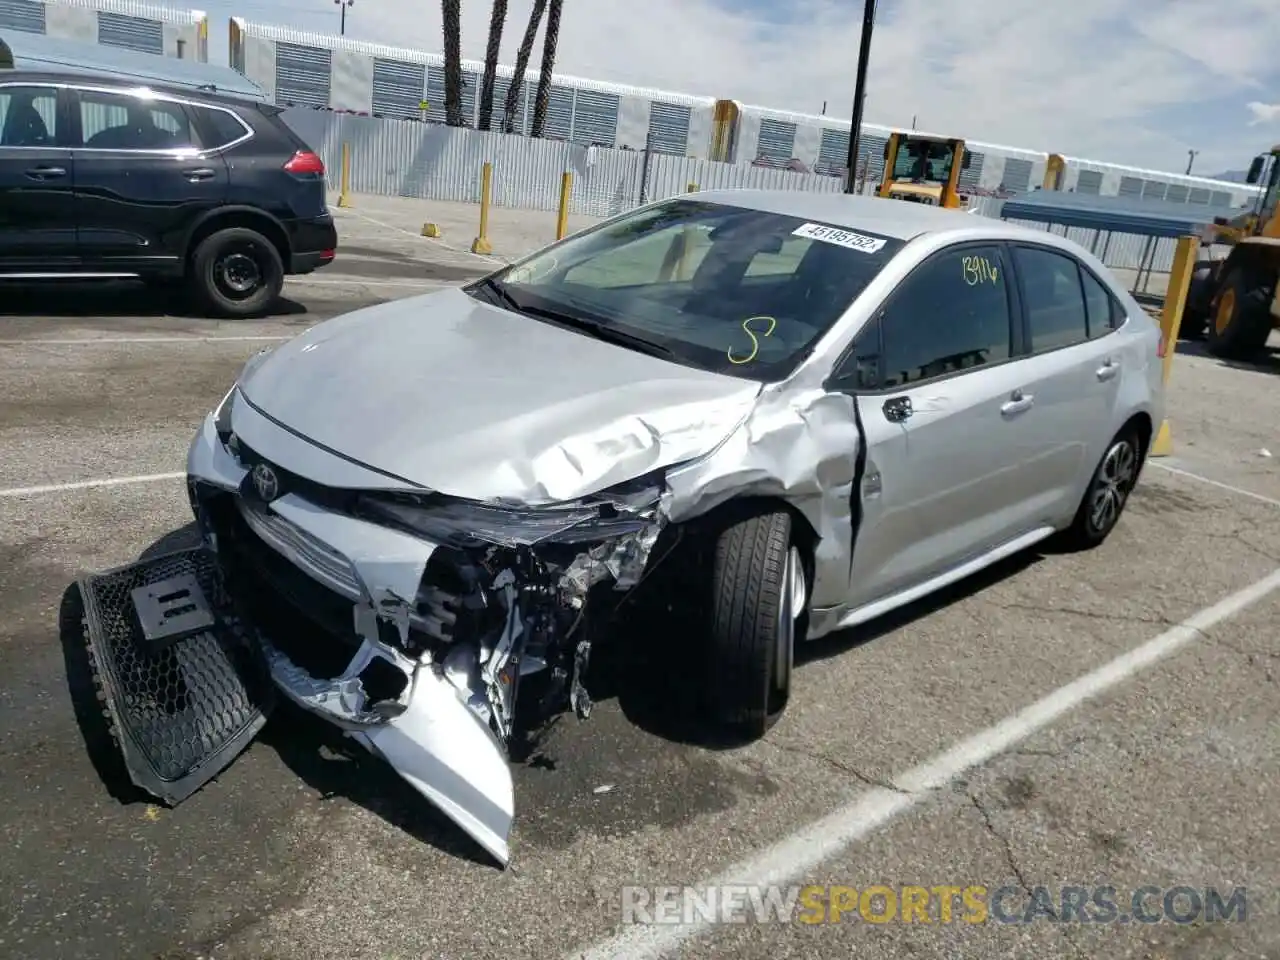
[[1233, 302], [923, 169]]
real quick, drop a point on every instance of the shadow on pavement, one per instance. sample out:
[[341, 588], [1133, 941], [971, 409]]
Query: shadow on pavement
[[110, 298]]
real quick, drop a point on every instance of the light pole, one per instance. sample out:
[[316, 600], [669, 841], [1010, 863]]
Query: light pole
[[1191, 158], [859, 92], [342, 5]]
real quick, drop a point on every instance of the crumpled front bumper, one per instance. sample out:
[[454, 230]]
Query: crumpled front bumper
[[427, 733]]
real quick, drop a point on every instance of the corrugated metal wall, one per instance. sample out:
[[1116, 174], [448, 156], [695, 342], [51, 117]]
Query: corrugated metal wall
[[436, 162], [24, 15], [130, 33]]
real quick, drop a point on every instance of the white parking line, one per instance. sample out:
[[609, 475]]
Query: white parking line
[[82, 341], [792, 858], [9, 493], [1241, 491]]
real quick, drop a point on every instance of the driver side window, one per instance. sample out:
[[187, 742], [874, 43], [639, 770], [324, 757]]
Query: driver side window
[[950, 315]]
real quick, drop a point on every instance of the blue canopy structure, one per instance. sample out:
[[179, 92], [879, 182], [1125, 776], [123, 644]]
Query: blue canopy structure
[[34, 51], [1148, 218]]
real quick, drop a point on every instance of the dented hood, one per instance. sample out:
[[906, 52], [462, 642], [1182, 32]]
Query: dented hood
[[474, 401]]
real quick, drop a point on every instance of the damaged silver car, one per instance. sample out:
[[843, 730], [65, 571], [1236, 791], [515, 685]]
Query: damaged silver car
[[835, 405]]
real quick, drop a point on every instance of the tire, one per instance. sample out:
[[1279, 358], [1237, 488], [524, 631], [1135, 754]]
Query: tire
[[1195, 314], [1241, 320], [236, 273], [1108, 491], [757, 579]]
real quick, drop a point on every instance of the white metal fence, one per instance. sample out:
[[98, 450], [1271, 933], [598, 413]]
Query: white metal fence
[[434, 162]]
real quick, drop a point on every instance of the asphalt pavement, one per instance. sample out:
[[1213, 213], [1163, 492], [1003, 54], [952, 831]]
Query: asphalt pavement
[[989, 737]]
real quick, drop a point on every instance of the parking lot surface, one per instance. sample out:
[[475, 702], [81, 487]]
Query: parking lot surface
[[954, 745]]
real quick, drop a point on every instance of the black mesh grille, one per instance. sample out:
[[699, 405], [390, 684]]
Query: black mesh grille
[[182, 711]]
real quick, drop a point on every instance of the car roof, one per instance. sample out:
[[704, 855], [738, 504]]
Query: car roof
[[899, 219], [122, 82]]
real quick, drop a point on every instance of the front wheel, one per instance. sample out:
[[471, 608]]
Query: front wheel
[[1241, 321], [237, 273], [758, 601]]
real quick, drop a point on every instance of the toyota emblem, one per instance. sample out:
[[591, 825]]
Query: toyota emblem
[[266, 482]]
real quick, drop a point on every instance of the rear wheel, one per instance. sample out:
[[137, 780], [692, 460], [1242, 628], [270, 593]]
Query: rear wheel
[[1241, 320], [759, 597], [1195, 313], [237, 273], [1108, 491]]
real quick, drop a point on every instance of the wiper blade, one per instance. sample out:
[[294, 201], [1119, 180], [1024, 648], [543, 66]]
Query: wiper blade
[[499, 291], [601, 331]]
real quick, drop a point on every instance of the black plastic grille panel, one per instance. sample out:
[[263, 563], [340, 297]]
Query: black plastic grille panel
[[182, 712]]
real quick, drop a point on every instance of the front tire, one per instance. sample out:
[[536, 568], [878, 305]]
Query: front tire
[[237, 273], [1108, 491], [758, 599], [1241, 321]]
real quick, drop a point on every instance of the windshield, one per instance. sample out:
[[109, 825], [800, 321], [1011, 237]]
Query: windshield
[[923, 160], [722, 288]]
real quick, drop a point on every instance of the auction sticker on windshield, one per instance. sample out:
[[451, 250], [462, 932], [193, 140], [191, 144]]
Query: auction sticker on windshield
[[843, 238]]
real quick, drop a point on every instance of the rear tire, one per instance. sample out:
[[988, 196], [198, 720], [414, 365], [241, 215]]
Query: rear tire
[[1195, 314], [1108, 491], [1241, 320], [756, 613], [236, 273]]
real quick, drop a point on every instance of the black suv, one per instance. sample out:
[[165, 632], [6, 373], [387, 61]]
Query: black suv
[[104, 178]]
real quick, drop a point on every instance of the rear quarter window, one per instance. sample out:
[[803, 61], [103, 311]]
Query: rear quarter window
[[218, 127]]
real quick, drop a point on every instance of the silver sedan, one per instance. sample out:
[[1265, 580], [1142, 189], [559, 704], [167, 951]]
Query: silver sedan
[[835, 405]]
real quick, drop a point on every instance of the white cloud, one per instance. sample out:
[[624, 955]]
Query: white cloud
[[1263, 112], [1089, 78]]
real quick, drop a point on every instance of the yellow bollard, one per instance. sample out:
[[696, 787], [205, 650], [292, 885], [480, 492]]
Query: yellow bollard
[[562, 218], [344, 195], [1175, 299], [430, 230], [693, 188], [481, 243]]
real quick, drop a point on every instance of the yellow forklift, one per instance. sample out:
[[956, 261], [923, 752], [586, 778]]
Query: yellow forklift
[[1234, 303], [923, 169]]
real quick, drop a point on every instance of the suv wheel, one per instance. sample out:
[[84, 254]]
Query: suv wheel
[[237, 272]]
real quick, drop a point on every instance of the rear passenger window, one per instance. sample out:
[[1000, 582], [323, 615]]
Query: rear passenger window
[[122, 121], [951, 314], [218, 127], [1105, 314], [1054, 299]]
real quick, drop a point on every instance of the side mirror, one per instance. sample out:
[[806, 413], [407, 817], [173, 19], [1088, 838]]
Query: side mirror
[[1255, 170]]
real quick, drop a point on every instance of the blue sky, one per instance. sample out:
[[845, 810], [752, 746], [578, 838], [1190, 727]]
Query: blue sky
[[1127, 81]]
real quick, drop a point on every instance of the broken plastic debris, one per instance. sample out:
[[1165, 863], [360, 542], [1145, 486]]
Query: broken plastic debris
[[603, 789], [1264, 452]]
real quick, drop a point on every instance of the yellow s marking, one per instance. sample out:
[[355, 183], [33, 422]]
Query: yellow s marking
[[755, 343], [979, 270]]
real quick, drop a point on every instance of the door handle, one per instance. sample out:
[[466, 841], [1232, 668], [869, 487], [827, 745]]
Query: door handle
[[200, 173], [1017, 403], [45, 173], [1108, 369], [897, 409]]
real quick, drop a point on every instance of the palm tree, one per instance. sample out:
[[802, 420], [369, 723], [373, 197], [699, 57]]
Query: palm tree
[[451, 16], [522, 65], [548, 62], [497, 18]]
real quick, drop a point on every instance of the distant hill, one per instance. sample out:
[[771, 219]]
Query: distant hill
[[1232, 176]]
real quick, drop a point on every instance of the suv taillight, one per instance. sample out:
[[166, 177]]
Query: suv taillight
[[1160, 347], [304, 161]]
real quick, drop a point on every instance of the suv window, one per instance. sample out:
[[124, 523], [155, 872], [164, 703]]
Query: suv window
[[218, 127], [1105, 312], [28, 117], [951, 314], [122, 121], [1054, 298]]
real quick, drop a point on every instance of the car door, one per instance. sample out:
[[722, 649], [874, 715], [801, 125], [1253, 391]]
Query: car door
[[37, 214], [1074, 378], [936, 377], [141, 179]]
